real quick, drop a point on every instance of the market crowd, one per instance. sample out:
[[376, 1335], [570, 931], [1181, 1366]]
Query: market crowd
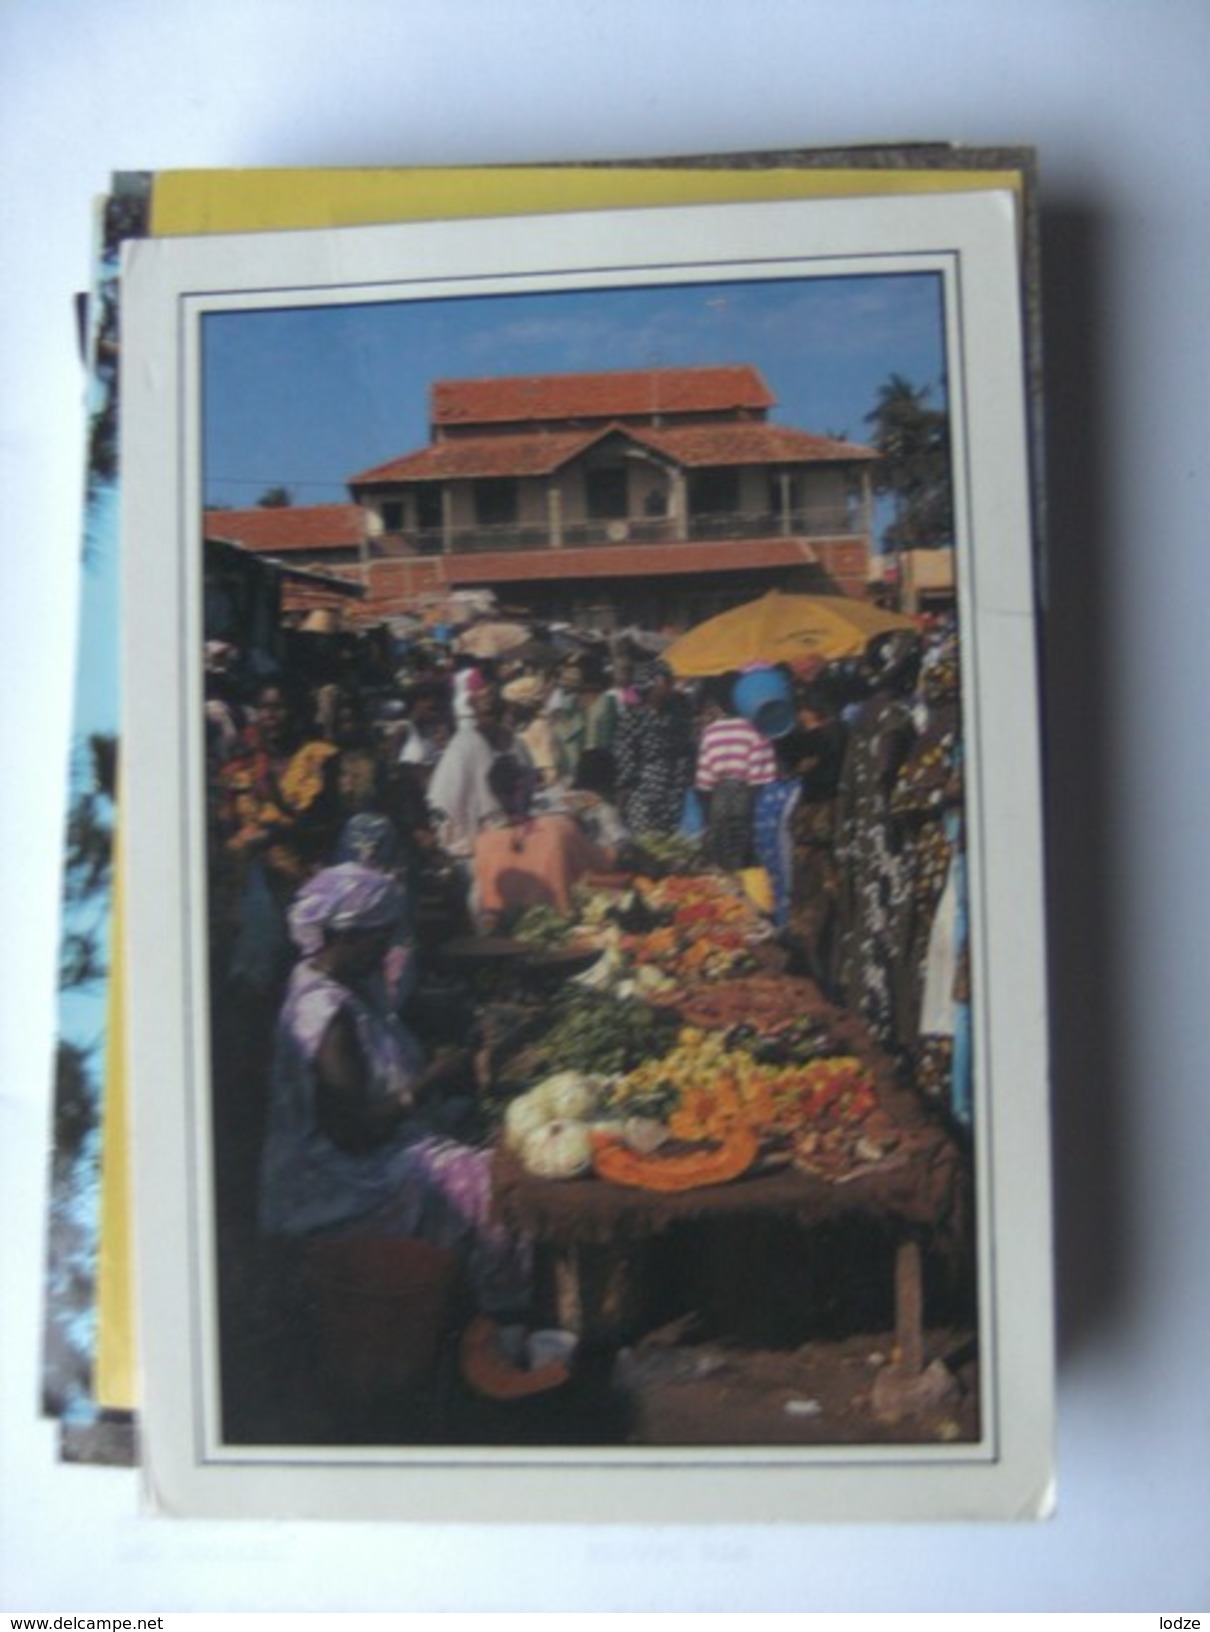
[[367, 806]]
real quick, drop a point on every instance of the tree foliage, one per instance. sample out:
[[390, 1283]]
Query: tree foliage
[[913, 438]]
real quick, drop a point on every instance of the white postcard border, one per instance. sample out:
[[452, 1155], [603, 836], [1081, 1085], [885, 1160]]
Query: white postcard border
[[167, 284]]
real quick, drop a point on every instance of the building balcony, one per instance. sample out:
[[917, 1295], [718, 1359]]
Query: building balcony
[[834, 522]]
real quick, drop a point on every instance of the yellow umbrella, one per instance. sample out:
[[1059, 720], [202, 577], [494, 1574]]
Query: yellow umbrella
[[780, 628]]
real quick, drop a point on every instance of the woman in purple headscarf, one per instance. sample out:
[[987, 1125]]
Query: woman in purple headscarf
[[352, 1144]]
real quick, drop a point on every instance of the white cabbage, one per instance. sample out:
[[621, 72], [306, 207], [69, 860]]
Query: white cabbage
[[558, 1150]]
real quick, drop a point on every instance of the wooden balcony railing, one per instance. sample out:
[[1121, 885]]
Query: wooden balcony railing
[[831, 522]]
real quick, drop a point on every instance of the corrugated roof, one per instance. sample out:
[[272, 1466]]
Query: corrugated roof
[[278, 530], [522, 399], [349, 581]]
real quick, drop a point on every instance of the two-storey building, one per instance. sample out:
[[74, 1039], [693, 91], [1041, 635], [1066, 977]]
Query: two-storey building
[[656, 496]]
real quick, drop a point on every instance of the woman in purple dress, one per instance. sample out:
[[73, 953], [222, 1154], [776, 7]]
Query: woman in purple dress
[[353, 1145]]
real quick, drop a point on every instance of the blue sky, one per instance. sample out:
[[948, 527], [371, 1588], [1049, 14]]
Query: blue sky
[[305, 398]]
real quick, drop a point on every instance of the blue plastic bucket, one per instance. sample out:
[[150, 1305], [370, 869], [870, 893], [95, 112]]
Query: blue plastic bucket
[[765, 696]]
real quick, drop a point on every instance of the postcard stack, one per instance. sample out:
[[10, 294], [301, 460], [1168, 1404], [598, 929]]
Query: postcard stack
[[553, 976]]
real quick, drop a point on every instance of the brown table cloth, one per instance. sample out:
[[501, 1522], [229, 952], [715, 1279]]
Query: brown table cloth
[[923, 1185]]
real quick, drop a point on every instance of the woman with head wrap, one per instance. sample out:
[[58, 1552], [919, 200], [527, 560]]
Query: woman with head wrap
[[373, 841], [352, 1145], [655, 753]]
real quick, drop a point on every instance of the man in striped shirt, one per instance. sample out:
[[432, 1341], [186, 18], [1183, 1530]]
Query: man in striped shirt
[[733, 760]]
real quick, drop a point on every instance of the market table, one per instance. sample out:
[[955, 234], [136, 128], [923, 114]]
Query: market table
[[913, 1187], [594, 1229]]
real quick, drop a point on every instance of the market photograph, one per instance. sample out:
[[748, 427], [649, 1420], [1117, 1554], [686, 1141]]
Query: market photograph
[[590, 1006]]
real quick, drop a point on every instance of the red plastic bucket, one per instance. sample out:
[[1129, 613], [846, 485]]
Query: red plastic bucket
[[382, 1308]]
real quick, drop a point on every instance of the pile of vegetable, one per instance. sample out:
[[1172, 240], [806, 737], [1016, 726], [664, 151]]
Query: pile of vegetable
[[656, 933], [769, 1003], [706, 928], [543, 926], [550, 1128], [669, 1170], [619, 1084], [600, 1033], [701, 1112], [704, 1086], [675, 852], [592, 1031]]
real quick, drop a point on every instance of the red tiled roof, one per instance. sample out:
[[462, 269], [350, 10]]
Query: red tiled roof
[[535, 453], [746, 445], [539, 453], [278, 530], [615, 395]]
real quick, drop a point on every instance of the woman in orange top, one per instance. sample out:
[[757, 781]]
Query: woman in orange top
[[527, 860]]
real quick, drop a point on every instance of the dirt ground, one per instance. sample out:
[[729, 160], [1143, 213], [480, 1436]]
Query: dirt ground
[[667, 1389], [740, 1339], [818, 1394]]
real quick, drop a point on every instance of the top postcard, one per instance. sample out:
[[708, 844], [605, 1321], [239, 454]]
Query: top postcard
[[581, 815]]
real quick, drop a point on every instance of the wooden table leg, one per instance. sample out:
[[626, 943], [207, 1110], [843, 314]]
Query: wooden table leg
[[594, 1290], [569, 1290], [909, 1307], [907, 1386]]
